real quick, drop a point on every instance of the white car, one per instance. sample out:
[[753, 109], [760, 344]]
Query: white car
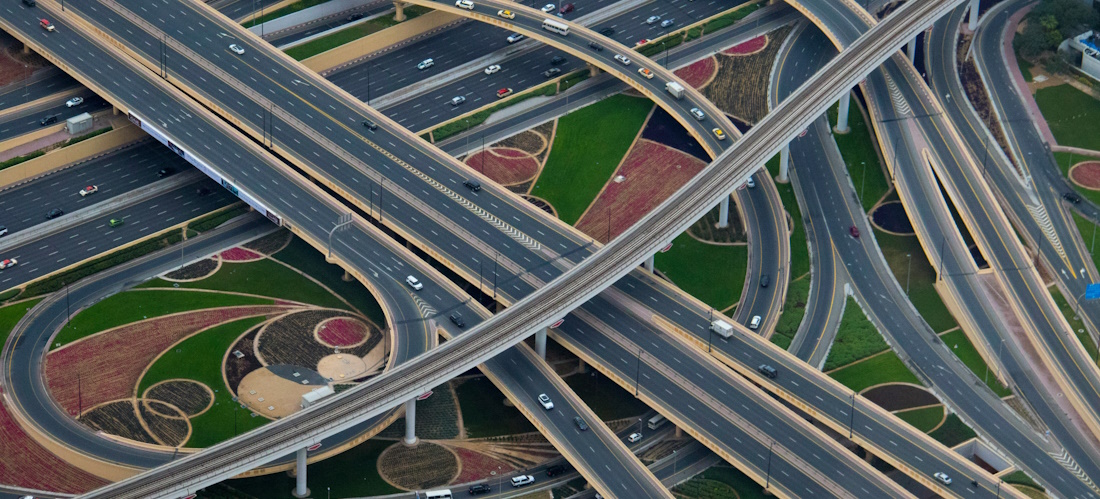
[[425, 64], [519, 481], [465, 4], [634, 437], [89, 189], [544, 399], [9, 263], [548, 8], [942, 477], [414, 283], [652, 19], [237, 49], [622, 58], [75, 101], [492, 69]]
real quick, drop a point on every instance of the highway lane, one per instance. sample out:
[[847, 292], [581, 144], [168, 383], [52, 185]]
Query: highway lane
[[39, 84], [25, 205], [321, 25], [920, 204], [517, 287], [518, 72], [29, 120], [238, 9], [1034, 158], [708, 195]]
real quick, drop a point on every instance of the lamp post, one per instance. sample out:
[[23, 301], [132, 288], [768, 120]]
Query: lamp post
[[852, 417], [908, 270], [638, 374], [768, 481]]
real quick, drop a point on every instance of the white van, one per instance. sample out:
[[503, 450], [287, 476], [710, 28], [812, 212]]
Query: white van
[[515, 37], [425, 64], [755, 322]]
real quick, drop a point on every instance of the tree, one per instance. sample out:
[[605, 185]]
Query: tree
[[1052, 21]]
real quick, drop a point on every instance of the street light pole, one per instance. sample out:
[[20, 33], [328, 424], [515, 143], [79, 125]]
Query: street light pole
[[852, 418], [768, 482], [908, 270], [638, 374]]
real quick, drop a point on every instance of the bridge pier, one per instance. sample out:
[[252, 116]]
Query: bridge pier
[[784, 162], [540, 343], [842, 113], [300, 489], [724, 213], [399, 11], [972, 20], [648, 265], [26, 49], [410, 423], [912, 49], [593, 70], [347, 277]]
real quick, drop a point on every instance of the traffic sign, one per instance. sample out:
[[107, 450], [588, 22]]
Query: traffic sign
[[314, 447], [1092, 291], [803, 132], [425, 395], [557, 324], [666, 248]]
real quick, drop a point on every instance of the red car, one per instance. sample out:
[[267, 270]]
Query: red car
[[565, 9], [854, 231], [45, 25]]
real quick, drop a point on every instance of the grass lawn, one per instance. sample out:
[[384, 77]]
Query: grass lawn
[[262, 277], [352, 473], [277, 13], [709, 272], [958, 342], [588, 146], [1074, 321], [717, 482], [608, 400], [1065, 161], [199, 358], [10, 316], [300, 255], [883, 368], [923, 419], [1071, 114], [857, 147], [794, 309], [1021, 478], [856, 338], [1088, 233], [922, 278], [346, 35], [484, 413], [953, 432], [131, 306]]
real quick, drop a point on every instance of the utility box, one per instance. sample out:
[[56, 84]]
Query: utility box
[[79, 124], [315, 395], [675, 89], [723, 328]]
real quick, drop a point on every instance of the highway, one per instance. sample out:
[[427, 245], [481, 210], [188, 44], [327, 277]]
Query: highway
[[27, 120], [921, 206], [619, 256], [396, 299]]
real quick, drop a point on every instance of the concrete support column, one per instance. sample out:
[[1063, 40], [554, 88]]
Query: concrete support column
[[540, 343], [679, 433], [300, 489], [347, 277], [972, 21], [399, 14], [724, 213], [26, 49], [115, 111], [581, 366], [410, 422], [648, 265], [784, 162], [842, 113], [593, 69], [912, 49]]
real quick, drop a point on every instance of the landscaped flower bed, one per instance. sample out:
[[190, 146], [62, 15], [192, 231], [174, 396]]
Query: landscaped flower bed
[[25, 463], [698, 73], [106, 366], [651, 172]]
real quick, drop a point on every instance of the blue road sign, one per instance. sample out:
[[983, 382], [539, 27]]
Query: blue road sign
[[1092, 292]]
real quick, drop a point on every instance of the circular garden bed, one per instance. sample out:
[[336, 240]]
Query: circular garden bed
[[423, 466], [1086, 174]]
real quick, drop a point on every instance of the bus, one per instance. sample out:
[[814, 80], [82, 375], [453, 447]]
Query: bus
[[555, 27], [438, 494], [656, 422]]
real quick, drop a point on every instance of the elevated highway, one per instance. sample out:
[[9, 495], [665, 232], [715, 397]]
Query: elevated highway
[[956, 166], [831, 197], [338, 414], [520, 282]]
